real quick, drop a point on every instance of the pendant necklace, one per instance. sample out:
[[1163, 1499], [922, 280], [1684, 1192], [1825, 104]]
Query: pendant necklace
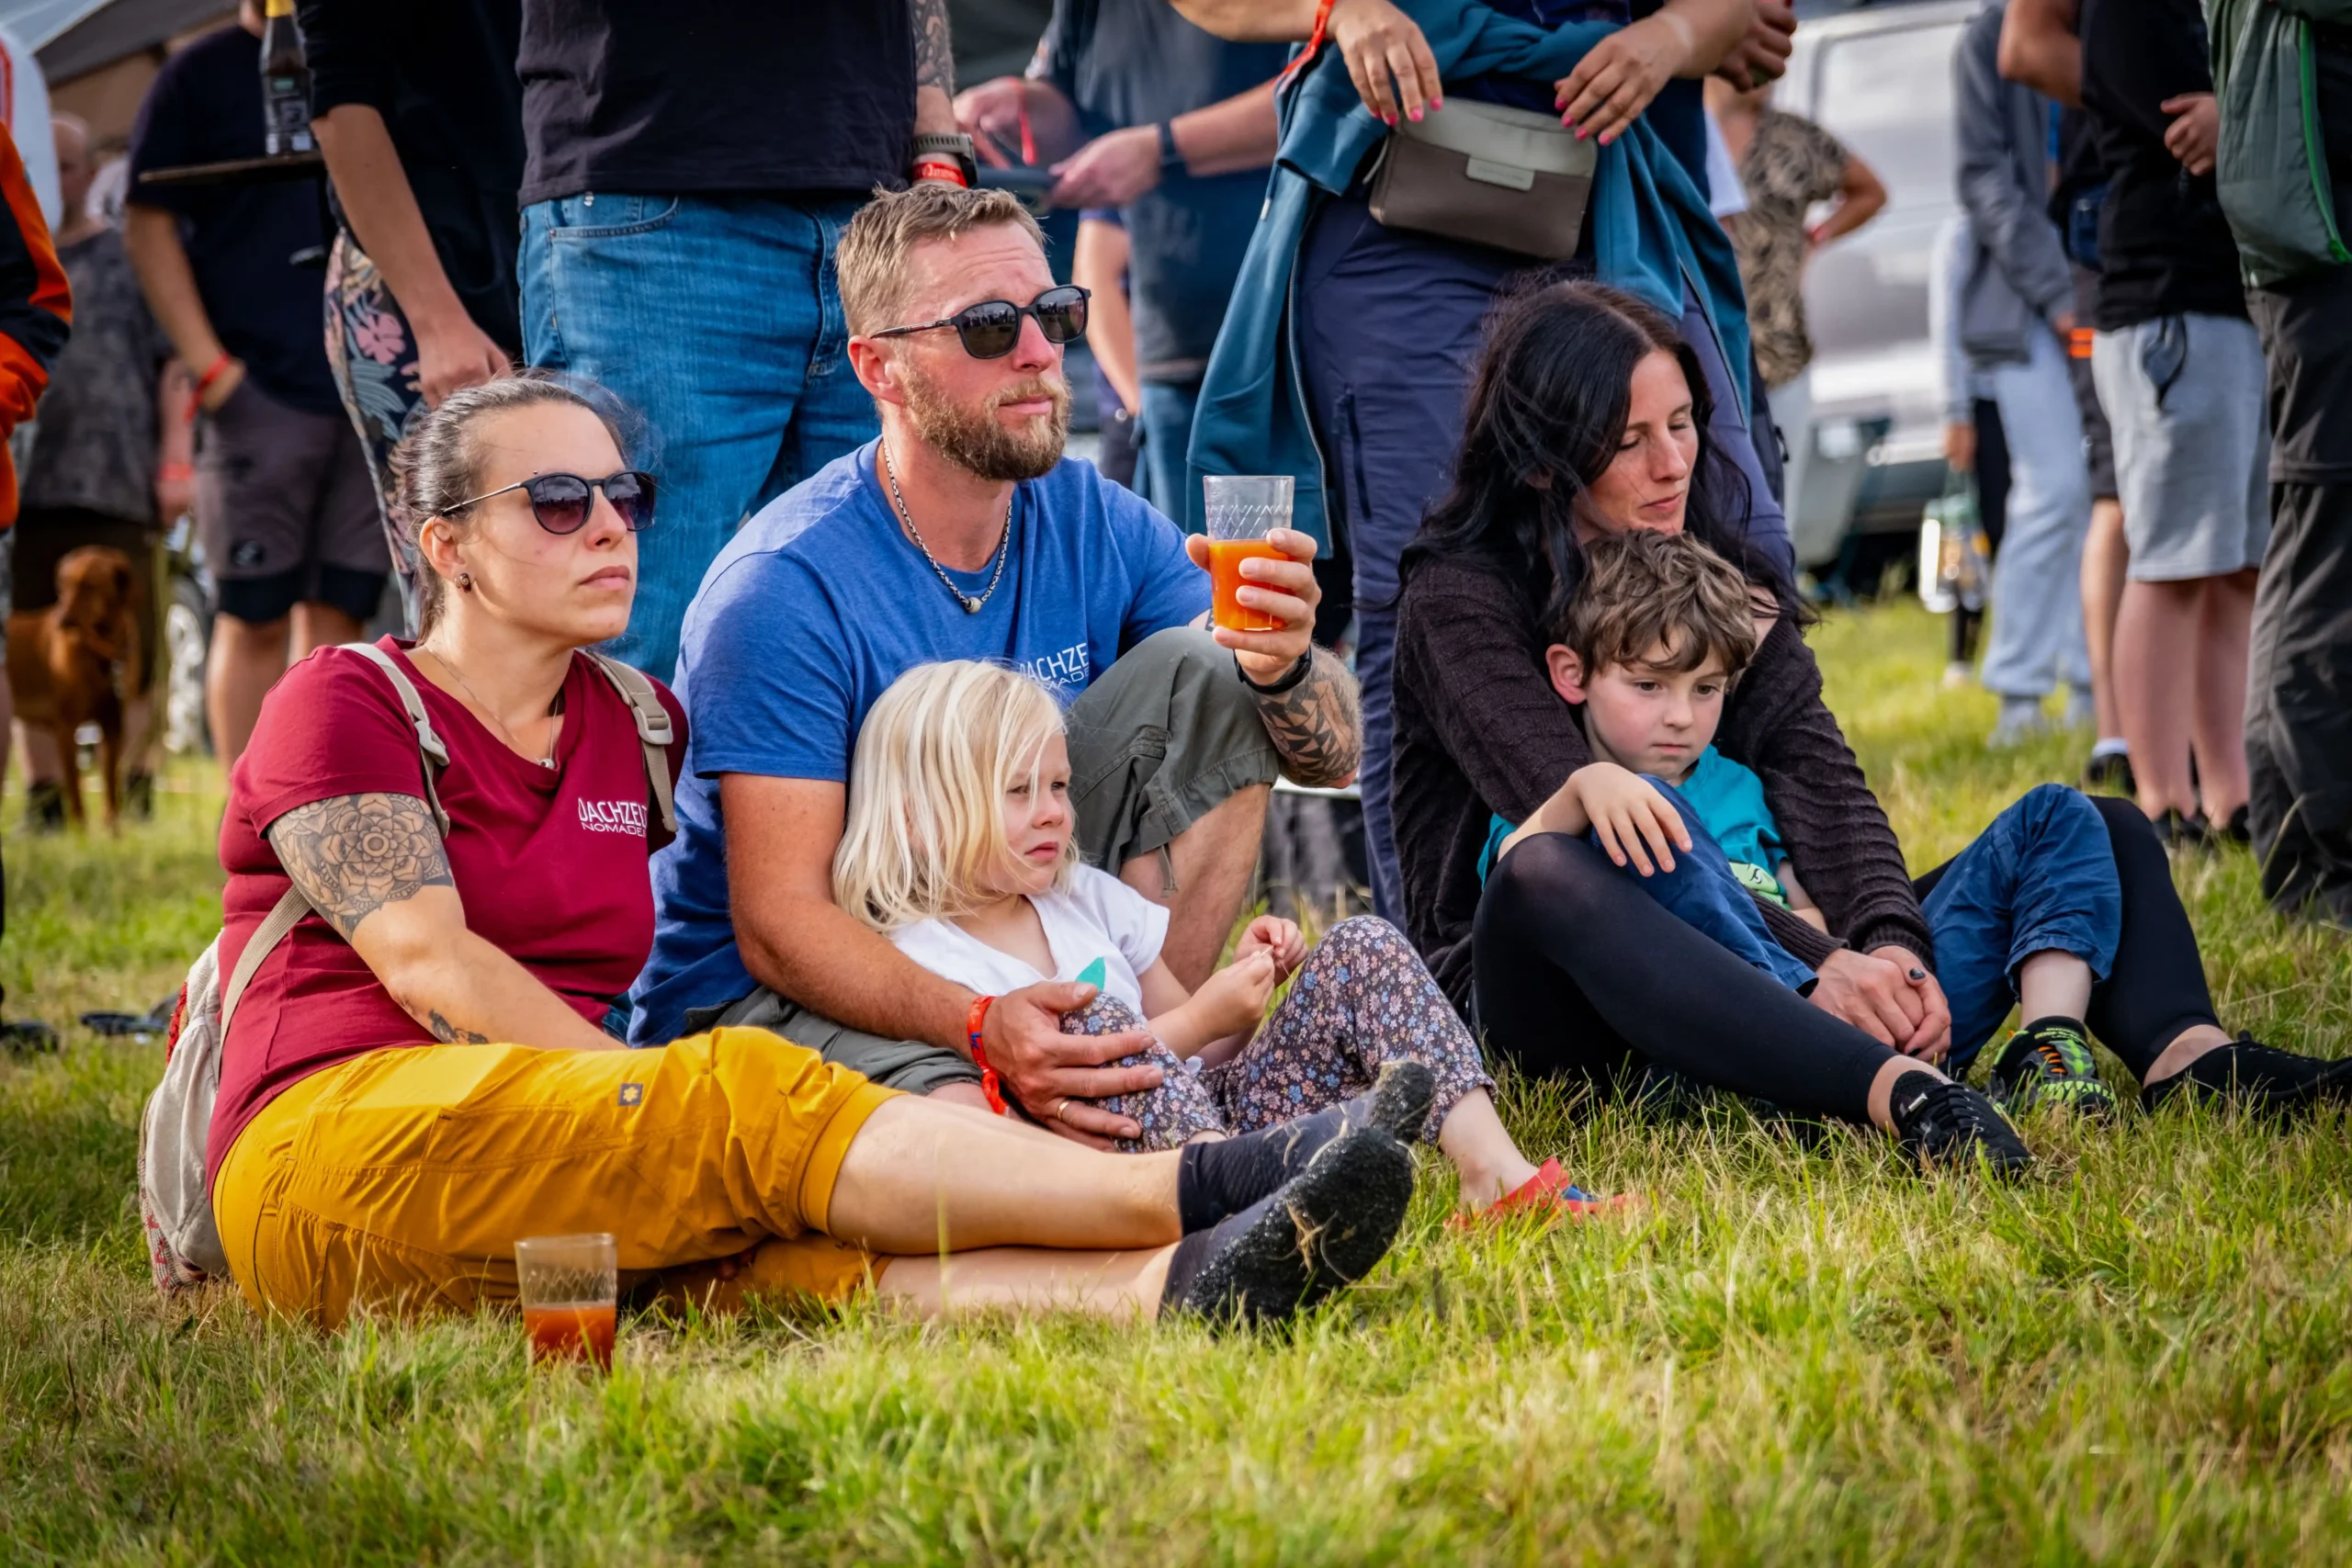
[[1003, 544]]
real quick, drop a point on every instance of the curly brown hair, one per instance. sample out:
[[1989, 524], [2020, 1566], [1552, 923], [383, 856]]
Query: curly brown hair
[[1643, 591]]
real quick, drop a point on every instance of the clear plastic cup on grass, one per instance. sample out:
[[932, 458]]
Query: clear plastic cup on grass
[[1242, 510], [570, 1287]]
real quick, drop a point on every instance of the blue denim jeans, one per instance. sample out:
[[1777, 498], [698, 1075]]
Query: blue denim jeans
[[1701, 892], [717, 319], [1167, 433], [2040, 879]]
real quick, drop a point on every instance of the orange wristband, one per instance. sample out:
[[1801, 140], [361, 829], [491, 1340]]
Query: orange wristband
[[973, 1022]]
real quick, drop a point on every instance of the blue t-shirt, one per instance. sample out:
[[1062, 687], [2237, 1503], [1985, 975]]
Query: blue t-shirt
[[818, 604], [1729, 799]]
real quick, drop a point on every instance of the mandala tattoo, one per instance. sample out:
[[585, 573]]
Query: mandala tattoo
[[1316, 726], [356, 853]]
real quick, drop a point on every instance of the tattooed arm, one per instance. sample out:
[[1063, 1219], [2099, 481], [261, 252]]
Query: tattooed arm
[[935, 70], [1317, 725], [374, 868]]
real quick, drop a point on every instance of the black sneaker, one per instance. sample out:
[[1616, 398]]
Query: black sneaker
[[2261, 1078], [2176, 832], [2049, 1063], [2109, 774], [2238, 829], [44, 808], [1947, 1124], [139, 797], [1327, 1227]]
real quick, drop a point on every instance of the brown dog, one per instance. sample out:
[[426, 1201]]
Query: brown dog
[[75, 663]]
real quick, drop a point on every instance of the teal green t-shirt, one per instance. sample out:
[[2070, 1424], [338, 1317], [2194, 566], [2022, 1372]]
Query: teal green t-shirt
[[1729, 800]]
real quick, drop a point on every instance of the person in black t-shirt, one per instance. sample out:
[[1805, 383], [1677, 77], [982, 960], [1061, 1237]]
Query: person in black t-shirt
[[2180, 376], [687, 171], [1177, 127], [420, 117], [284, 506]]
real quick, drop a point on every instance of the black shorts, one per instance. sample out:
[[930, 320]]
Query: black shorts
[[2098, 442], [286, 511]]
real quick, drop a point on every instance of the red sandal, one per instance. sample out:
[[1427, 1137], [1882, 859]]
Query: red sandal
[[1549, 1193]]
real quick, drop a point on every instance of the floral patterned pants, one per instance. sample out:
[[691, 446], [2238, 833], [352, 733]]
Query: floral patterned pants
[[1362, 998]]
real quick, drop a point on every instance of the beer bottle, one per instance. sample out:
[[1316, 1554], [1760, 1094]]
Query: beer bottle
[[284, 84]]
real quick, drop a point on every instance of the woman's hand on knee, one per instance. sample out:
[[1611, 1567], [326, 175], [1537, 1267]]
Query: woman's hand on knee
[[1875, 995]]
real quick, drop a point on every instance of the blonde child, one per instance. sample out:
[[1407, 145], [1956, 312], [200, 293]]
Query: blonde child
[[959, 847]]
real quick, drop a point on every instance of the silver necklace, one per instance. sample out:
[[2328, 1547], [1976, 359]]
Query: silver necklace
[[512, 741], [1003, 543]]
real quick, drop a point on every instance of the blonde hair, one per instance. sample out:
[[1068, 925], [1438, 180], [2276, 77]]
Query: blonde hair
[[924, 837], [871, 259]]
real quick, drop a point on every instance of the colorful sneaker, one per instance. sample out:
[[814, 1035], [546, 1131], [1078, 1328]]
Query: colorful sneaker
[[2049, 1063], [1548, 1193], [2261, 1078], [1947, 1124]]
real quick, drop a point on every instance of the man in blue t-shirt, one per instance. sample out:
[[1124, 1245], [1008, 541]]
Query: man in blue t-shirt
[[964, 534]]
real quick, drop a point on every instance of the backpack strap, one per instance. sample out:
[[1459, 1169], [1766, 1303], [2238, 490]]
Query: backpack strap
[[291, 908], [429, 742], [654, 731]]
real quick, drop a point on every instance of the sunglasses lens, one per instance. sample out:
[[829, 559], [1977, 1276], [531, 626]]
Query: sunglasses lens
[[1061, 315], [559, 502], [990, 330], [632, 496]]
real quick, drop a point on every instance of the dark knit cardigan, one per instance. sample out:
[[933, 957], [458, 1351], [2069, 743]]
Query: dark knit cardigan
[[1479, 731]]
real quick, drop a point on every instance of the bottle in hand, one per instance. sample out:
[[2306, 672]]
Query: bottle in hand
[[284, 84]]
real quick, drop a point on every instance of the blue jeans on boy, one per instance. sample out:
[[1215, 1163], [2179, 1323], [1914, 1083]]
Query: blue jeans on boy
[[1701, 892], [718, 321], [2040, 879]]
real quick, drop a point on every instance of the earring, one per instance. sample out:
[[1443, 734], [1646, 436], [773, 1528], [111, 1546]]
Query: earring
[[466, 581]]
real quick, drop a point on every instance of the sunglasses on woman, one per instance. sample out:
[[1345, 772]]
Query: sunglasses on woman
[[992, 328], [563, 502]]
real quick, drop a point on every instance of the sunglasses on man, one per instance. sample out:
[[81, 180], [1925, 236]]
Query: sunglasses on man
[[562, 503], [992, 328]]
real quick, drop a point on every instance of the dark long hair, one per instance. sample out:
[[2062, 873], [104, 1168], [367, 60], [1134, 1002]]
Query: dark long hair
[[1550, 400]]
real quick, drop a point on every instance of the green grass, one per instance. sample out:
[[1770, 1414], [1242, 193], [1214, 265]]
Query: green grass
[[2138, 1357]]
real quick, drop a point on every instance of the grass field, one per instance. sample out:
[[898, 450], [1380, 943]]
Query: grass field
[[2139, 1356]]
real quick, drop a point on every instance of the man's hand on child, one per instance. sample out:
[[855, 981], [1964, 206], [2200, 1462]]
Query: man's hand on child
[[1269, 933], [1056, 1075], [1627, 813]]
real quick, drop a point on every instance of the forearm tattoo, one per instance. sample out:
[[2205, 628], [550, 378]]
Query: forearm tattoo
[[356, 853], [1316, 726], [934, 54], [450, 1033]]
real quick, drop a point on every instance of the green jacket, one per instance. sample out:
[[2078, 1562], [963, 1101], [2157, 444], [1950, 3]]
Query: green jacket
[[2272, 165]]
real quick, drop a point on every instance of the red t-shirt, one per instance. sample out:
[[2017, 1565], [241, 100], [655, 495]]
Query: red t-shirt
[[549, 862]]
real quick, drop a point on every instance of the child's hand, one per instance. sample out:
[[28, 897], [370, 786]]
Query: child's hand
[[1280, 937], [1233, 1000], [1626, 812]]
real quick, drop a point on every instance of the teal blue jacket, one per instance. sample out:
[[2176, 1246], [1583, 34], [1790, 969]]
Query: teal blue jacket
[[1652, 233], [2270, 170]]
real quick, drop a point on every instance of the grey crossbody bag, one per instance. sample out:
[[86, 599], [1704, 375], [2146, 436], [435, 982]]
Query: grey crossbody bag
[[1489, 174]]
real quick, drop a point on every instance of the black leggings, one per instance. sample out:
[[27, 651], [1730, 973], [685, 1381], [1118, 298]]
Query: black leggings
[[1581, 974]]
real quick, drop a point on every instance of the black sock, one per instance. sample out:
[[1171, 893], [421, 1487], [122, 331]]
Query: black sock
[[1218, 1177]]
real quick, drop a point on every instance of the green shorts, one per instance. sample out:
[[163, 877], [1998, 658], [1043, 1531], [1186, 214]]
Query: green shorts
[[1166, 736]]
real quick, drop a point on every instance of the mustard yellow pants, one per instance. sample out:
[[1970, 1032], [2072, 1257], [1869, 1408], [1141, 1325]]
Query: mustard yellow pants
[[402, 1180]]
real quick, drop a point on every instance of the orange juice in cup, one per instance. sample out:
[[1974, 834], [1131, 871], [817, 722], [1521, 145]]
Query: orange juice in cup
[[570, 1289], [1242, 510]]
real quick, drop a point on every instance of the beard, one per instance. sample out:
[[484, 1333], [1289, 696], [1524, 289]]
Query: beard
[[974, 439]]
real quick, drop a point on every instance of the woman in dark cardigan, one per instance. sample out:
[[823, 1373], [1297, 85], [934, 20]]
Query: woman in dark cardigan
[[1575, 970]]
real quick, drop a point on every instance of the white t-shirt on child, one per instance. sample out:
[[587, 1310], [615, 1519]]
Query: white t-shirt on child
[[1101, 932]]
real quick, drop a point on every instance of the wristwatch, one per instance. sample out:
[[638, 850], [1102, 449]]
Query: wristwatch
[[1170, 155], [957, 150]]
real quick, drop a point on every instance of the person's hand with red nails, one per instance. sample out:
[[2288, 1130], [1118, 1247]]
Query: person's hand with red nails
[[1387, 59], [1618, 77]]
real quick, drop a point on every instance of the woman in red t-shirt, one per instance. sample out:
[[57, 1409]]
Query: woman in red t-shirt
[[371, 1146]]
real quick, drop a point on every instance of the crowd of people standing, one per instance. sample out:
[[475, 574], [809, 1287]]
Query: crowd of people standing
[[912, 868]]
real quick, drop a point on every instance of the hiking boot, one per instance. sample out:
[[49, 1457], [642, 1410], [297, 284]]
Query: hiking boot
[[1946, 1124], [2260, 1078], [44, 808], [2049, 1063]]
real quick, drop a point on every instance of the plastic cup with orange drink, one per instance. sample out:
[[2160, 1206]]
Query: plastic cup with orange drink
[[1242, 510], [570, 1289]]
